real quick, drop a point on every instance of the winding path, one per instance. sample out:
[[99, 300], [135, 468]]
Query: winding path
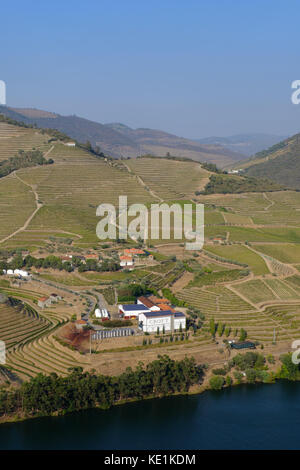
[[38, 206]]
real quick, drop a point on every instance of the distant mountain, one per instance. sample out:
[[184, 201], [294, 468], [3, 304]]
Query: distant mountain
[[247, 144], [280, 163], [119, 140]]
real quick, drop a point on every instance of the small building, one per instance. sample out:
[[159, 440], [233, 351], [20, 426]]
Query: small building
[[55, 297], [98, 313], [67, 258], [243, 345], [70, 144], [134, 252], [132, 311], [21, 274], [126, 261], [80, 324], [92, 256], [44, 302]]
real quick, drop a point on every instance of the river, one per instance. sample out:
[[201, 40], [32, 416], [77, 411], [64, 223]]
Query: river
[[243, 417]]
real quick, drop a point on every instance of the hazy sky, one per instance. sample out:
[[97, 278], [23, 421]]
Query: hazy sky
[[194, 68]]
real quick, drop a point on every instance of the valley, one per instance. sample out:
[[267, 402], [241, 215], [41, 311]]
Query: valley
[[246, 278]]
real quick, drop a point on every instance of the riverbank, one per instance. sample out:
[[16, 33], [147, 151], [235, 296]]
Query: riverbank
[[54, 396], [257, 416]]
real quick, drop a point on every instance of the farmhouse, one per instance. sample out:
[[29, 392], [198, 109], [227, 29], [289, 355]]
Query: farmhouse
[[134, 252], [92, 256], [126, 261], [55, 297], [44, 302], [66, 258]]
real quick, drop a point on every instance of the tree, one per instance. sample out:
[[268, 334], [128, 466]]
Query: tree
[[251, 375], [221, 327], [243, 334], [228, 381], [212, 327], [227, 331], [216, 382], [238, 376]]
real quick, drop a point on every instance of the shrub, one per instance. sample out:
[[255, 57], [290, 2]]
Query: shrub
[[216, 382]]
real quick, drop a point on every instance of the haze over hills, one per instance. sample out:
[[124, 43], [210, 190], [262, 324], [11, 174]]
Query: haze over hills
[[119, 140], [280, 163], [247, 144]]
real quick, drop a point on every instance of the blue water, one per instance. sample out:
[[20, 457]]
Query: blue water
[[244, 417]]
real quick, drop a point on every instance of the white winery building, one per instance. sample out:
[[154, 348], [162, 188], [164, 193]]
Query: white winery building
[[165, 320]]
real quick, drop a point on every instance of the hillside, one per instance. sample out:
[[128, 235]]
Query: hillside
[[247, 144], [246, 275], [237, 184], [281, 163], [159, 143], [119, 140]]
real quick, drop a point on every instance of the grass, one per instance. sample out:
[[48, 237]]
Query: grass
[[169, 179], [242, 254], [256, 291], [216, 277], [286, 253], [14, 138]]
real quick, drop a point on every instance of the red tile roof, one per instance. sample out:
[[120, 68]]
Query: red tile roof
[[165, 307], [146, 301], [134, 251]]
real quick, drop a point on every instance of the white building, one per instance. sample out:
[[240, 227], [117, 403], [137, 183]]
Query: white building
[[132, 310], [126, 261], [165, 320], [55, 297], [101, 313], [98, 313], [17, 272], [70, 144]]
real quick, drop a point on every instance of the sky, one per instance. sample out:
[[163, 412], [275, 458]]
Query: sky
[[195, 68]]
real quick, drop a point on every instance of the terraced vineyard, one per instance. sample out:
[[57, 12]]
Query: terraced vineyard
[[30, 342], [214, 299], [241, 254], [256, 291], [169, 179], [259, 230], [282, 289], [13, 138], [19, 325], [16, 205]]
